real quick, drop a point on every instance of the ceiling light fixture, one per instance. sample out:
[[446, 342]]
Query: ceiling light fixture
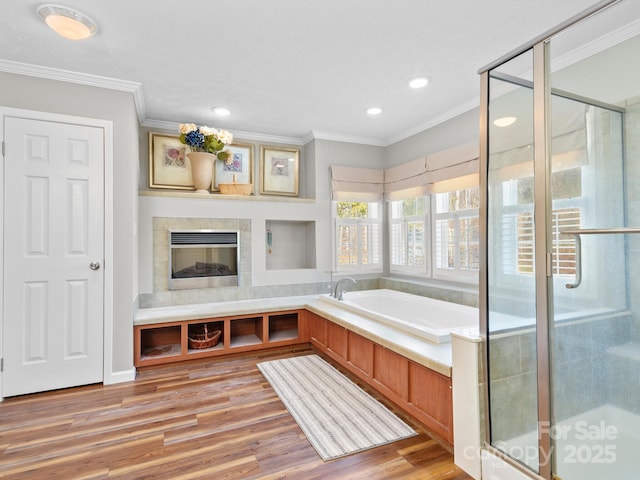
[[66, 22], [374, 111], [504, 121], [419, 82], [221, 111]]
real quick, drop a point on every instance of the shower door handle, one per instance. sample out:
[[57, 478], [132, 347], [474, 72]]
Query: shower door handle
[[578, 279], [591, 231]]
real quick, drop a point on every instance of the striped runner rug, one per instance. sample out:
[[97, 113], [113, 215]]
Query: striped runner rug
[[337, 417]]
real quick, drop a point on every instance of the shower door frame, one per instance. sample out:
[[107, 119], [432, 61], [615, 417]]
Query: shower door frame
[[543, 239]]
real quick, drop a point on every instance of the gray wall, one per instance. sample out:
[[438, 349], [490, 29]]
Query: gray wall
[[315, 185], [460, 130], [31, 93], [133, 263]]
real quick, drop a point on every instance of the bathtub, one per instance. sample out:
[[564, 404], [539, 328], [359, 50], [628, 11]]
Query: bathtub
[[422, 317]]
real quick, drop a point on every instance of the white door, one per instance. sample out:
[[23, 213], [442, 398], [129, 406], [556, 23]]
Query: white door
[[53, 251]]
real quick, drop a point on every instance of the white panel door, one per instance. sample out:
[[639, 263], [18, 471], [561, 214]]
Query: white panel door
[[53, 293]]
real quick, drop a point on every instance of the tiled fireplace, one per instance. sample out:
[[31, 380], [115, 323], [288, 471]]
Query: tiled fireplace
[[162, 248]]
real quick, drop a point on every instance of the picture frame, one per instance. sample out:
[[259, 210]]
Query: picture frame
[[241, 166], [280, 171], [169, 167]]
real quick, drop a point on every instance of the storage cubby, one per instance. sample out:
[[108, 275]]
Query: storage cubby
[[160, 342], [169, 342], [283, 327], [196, 330], [246, 331]]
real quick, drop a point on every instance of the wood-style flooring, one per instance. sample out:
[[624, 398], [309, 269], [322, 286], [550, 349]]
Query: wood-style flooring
[[209, 419]]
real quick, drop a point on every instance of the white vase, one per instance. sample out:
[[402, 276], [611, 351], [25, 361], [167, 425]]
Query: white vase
[[201, 170]]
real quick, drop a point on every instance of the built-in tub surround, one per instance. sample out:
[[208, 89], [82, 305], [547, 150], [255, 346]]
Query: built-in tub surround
[[432, 355], [426, 318], [464, 295]]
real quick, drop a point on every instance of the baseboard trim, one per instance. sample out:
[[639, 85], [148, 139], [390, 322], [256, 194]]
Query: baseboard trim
[[120, 377]]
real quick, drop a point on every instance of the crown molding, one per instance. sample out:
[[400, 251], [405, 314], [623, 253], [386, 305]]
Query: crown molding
[[598, 45], [591, 48], [587, 50], [266, 138], [79, 78], [338, 137], [256, 137]]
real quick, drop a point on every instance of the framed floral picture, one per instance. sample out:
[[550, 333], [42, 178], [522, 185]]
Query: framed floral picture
[[168, 164], [279, 171], [240, 164]]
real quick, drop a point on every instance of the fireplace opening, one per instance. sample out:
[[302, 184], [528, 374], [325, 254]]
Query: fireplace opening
[[202, 259]]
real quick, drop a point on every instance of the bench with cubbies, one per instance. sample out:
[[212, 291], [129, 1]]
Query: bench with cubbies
[[166, 342]]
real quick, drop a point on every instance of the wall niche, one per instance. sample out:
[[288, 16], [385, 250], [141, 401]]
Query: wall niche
[[290, 244]]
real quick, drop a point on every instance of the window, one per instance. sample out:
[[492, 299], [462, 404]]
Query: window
[[456, 233], [447, 231], [563, 246], [518, 231], [407, 236], [358, 236]]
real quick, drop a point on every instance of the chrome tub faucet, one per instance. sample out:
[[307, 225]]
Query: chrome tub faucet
[[339, 291]]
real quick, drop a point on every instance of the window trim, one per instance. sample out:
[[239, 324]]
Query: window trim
[[404, 269], [429, 270], [519, 282], [454, 274], [358, 268]]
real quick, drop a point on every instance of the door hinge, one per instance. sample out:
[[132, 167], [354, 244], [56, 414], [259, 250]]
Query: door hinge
[[3, 149], [1, 364]]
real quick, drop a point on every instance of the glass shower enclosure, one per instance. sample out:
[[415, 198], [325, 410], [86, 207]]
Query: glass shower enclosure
[[560, 287]]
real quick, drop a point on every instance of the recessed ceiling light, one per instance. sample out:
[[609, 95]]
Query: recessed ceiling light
[[419, 82], [222, 111], [374, 111], [504, 121], [66, 22]]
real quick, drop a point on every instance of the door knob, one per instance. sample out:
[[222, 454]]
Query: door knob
[[94, 265]]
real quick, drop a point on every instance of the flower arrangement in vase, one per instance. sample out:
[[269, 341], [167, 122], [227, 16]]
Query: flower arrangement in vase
[[206, 144]]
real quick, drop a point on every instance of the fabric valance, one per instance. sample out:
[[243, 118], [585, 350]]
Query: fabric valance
[[454, 169], [354, 184], [408, 180], [449, 170], [445, 171]]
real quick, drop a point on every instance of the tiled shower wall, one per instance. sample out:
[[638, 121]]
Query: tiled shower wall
[[632, 175]]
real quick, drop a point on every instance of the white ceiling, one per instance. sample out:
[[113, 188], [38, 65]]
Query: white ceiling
[[289, 68]]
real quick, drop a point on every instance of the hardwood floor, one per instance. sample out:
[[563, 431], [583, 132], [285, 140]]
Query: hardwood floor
[[216, 418]]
